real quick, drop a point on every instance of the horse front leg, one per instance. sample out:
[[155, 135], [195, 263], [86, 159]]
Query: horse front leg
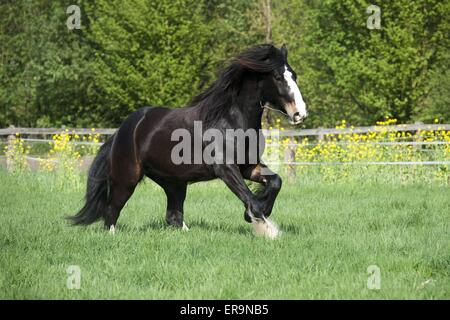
[[271, 183], [232, 176]]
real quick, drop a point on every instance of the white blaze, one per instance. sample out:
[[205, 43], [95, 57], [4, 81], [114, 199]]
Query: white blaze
[[295, 91]]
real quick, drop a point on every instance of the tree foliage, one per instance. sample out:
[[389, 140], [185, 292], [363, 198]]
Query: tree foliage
[[141, 52], [45, 75], [352, 72]]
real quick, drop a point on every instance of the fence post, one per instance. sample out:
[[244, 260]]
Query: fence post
[[320, 134], [10, 145], [289, 156], [417, 137]]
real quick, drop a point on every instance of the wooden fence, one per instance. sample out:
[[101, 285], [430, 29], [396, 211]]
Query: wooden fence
[[37, 135], [320, 133]]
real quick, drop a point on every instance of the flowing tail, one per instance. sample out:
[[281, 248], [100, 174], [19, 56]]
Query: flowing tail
[[98, 188]]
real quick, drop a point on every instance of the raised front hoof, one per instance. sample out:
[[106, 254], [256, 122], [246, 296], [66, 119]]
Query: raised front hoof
[[265, 228]]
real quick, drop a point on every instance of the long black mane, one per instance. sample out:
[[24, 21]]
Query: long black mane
[[222, 93]]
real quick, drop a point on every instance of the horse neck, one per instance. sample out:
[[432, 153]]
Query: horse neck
[[252, 114], [250, 108]]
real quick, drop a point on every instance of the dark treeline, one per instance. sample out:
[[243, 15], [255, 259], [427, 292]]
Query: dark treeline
[[128, 54]]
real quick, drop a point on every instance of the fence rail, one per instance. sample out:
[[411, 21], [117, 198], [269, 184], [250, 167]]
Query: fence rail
[[397, 128], [52, 131], [369, 163], [41, 135], [285, 133]]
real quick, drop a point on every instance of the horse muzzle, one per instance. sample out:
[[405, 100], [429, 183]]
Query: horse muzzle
[[297, 118]]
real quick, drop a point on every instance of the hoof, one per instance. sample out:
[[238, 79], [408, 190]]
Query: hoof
[[265, 227]]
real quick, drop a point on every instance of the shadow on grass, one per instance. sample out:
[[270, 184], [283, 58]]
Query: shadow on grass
[[158, 225], [291, 229], [202, 224]]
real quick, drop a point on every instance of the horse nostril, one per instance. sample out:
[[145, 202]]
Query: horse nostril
[[304, 116], [297, 117]]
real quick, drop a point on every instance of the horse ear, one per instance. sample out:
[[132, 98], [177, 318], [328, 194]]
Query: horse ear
[[284, 51]]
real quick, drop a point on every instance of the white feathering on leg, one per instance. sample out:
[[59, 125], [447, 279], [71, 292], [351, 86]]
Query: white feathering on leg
[[112, 230], [265, 227], [185, 227]]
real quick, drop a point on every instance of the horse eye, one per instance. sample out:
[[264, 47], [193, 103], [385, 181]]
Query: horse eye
[[277, 77]]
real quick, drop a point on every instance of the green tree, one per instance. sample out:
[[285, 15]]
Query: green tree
[[437, 103], [159, 52], [127, 55], [348, 71], [140, 52], [45, 73]]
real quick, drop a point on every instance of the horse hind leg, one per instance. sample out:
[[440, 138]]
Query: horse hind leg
[[123, 183], [118, 198], [126, 168]]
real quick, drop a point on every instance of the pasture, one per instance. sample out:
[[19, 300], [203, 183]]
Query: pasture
[[332, 232]]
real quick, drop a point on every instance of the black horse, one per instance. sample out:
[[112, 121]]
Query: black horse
[[144, 144]]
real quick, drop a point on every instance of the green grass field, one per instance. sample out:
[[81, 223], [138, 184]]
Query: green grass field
[[331, 235]]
